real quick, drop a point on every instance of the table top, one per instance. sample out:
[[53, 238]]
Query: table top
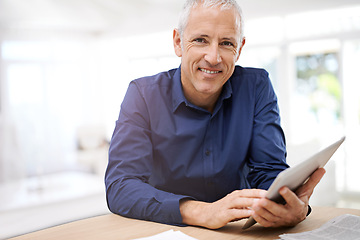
[[111, 226]]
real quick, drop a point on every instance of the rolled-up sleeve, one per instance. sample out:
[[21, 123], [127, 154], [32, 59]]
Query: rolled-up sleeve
[[128, 191]]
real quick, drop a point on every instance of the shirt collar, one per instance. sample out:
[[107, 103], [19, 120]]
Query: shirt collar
[[178, 94], [177, 91]]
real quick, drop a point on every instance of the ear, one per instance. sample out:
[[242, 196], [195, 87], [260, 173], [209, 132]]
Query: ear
[[242, 45], [177, 43]]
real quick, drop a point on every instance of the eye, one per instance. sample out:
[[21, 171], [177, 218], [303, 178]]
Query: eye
[[227, 43], [199, 40]]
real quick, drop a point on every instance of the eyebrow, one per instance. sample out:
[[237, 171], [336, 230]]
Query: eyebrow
[[199, 35], [229, 39], [207, 36]]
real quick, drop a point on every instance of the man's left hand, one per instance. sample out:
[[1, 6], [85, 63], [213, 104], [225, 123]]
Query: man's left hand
[[271, 214]]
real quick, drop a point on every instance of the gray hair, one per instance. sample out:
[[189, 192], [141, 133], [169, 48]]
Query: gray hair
[[225, 4]]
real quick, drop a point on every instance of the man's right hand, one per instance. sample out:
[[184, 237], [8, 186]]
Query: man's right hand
[[234, 206]]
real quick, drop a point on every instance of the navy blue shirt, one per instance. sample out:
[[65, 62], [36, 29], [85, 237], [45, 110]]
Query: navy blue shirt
[[165, 149]]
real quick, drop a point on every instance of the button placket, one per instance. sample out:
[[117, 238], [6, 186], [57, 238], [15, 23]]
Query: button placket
[[208, 159]]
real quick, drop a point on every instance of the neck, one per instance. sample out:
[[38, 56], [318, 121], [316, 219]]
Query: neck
[[204, 101]]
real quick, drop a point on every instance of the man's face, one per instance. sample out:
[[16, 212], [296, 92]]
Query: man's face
[[209, 50]]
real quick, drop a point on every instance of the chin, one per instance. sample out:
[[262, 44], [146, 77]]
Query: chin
[[207, 90]]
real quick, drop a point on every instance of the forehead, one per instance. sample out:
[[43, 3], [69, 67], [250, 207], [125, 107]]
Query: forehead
[[213, 19]]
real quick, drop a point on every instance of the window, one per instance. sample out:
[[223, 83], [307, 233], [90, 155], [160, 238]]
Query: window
[[318, 94], [44, 86], [351, 57]]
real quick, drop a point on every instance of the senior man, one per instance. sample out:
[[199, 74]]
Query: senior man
[[198, 145]]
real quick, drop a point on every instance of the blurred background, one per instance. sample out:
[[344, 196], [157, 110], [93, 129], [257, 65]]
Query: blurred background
[[65, 66]]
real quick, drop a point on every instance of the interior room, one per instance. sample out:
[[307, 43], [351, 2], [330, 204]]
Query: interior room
[[65, 66]]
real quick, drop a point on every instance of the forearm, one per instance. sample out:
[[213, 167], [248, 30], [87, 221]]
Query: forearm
[[135, 199], [192, 212]]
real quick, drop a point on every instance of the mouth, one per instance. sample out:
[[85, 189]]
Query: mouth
[[209, 71]]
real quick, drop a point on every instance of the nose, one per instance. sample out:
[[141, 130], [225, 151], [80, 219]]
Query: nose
[[212, 55]]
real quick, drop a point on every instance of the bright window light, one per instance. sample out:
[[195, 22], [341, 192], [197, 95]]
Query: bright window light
[[320, 23]]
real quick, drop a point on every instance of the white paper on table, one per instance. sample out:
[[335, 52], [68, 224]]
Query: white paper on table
[[343, 227], [171, 234]]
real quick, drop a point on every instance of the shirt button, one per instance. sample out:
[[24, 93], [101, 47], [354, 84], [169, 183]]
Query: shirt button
[[207, 152]]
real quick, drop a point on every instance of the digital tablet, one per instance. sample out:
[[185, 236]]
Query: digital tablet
[[294, 177]]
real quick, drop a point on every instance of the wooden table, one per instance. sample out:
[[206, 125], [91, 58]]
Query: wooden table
[[112, 226]]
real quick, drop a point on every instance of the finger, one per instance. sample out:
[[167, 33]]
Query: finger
[[298, 206], [238, 214], [251, 193], [315, 177], [308, 188], [240, 199], [271, 214], [269, 210], [264, 218], [241, 203], [291, 199]]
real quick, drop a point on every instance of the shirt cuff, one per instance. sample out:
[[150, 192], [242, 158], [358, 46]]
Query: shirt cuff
[[309, 210], [172, 206]]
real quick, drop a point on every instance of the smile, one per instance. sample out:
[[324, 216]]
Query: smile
[[207, 71]]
